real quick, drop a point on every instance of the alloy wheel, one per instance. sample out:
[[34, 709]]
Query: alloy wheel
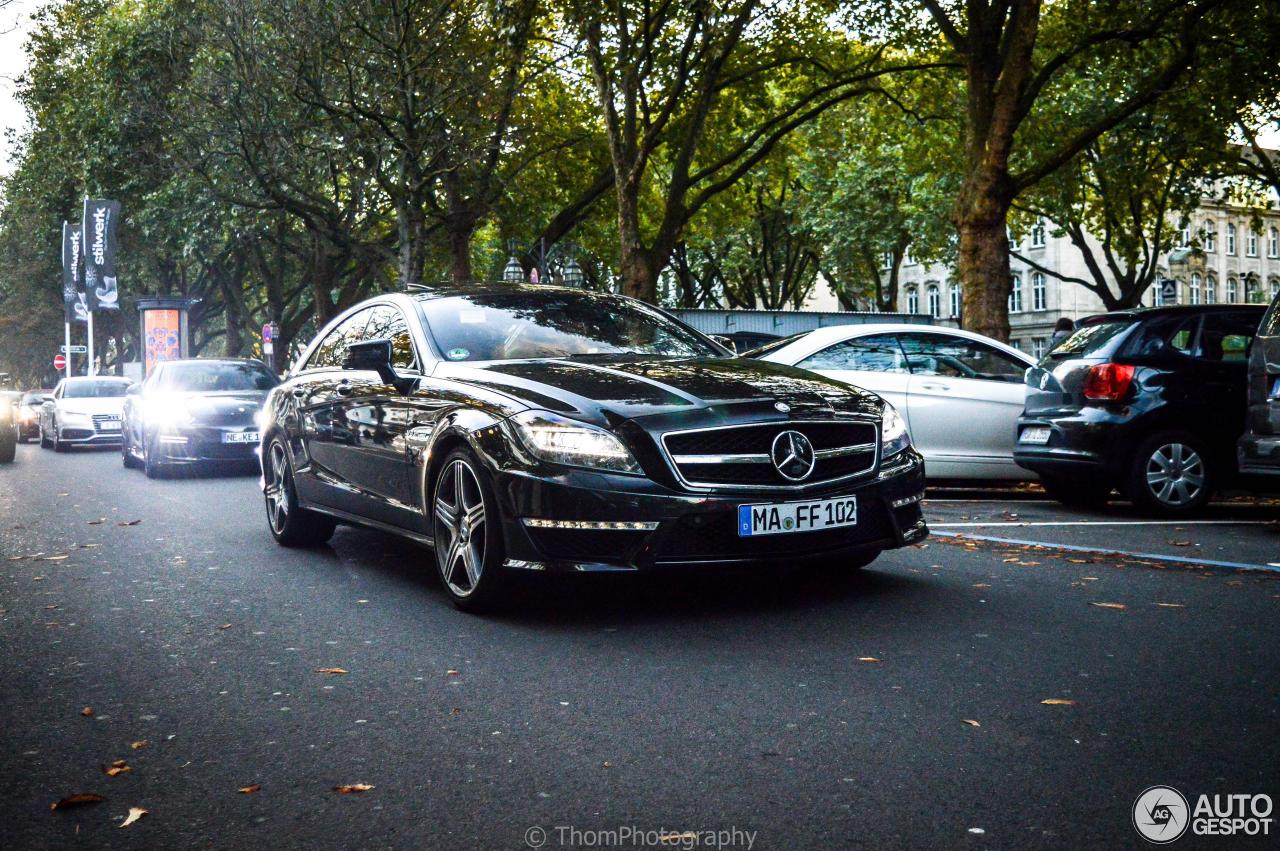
[[460, 515], [277, 492], [1175, 474]]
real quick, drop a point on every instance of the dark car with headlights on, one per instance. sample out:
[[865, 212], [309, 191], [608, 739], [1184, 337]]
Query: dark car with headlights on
[[1149, 401], [198, 411], [29, 414], [519, 428]]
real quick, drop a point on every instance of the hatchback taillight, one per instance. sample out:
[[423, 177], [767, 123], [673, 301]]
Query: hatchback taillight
[[1108, 382]]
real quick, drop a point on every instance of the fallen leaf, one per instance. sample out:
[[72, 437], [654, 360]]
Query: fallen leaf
[[1080, 560], [135, 813], [981, 585], [55, 558], [128, 522], [1109, 605], [77, 801], [225, 626], [87, 712], [451, 673], [1180, 543], [332, 671], [50, 608], [354, 787], [1058, 701], [970, 722], [1172, 605], [117, 767], [868, 659], [98, 522], [138, 745], [455, 711], [1235, 582], [607, 764], [249, 790]]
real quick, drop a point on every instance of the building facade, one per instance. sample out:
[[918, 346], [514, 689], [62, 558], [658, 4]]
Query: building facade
[[1222, 257]]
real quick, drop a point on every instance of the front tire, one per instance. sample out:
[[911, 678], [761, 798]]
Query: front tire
[[58, 445], [290, 524], [126, 451], [150, 463], [1171, 475], [467, 530], [44, 441]]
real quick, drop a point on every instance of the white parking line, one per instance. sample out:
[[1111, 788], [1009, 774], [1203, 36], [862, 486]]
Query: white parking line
[[1270, 567], [1110, 523]]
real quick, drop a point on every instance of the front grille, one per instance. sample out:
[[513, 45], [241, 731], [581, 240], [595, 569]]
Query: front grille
[[738, 456], [100, 421], [610, 546]]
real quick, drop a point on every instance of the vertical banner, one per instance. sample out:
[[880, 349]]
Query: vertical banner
[[99, 228], [161, 336], [74, 307]]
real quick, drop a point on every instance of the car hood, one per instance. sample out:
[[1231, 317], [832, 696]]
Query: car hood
[[222, 406], [610, 389], [92, 405]]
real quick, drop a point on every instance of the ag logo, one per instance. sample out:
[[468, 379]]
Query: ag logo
[[1161, 815]]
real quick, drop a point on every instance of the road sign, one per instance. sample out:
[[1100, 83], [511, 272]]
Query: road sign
[[267, 331], [1168, 291], [74, 350], [59, 362]]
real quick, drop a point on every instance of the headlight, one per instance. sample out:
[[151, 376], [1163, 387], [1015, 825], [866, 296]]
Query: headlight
[[565, 441], [168, 415], [893, 432], [75, 418], [27, 413]]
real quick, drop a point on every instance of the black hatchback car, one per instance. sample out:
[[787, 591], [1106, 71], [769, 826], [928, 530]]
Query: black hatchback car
[[545, 429], [1149, 401]]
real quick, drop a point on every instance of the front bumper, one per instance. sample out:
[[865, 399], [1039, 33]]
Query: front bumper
[[81, 436], [693, 529], [204, 444], [1089, 445]]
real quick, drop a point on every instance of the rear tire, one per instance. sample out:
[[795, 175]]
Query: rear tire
[[1078, 494], [462, 504], [44, 441], [290, 524], [1171, 475], [150, 464]]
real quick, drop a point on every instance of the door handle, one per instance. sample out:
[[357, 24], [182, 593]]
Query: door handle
[[933, 385]]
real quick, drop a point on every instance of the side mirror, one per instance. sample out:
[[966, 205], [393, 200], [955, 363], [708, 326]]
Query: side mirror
[[727, 342], [375, 356], [134, 390]]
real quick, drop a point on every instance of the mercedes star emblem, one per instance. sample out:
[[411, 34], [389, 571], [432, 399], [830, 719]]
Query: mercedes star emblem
[[782, 407], [792, 455]]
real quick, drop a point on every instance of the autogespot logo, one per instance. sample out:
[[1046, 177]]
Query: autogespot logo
[[1160, 815]]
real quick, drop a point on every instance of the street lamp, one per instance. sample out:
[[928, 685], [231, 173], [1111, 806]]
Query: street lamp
[[571, 273], [514, 272]]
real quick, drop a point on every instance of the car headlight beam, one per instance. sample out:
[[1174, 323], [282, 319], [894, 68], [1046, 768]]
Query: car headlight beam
[[893, 432], [564, 441]]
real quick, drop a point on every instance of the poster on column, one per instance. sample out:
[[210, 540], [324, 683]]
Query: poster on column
[[99, 229], [74, 307]]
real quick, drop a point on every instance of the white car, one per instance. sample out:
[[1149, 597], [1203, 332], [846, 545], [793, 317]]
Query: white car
[[83, 411], [960, 392]]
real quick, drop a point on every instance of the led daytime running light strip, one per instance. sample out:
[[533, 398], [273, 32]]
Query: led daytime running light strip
[[907, 500], [628, 525]]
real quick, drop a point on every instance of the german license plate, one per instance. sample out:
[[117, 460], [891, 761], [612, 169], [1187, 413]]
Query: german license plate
[[109, 425], [1035, 434], [781, 518], [240, 437]]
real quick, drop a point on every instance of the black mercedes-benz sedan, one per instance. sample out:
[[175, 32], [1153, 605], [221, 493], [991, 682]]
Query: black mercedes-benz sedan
[[544, 429], [199, 411]]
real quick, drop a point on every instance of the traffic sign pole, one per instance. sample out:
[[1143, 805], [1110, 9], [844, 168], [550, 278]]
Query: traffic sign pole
[[89, 369]]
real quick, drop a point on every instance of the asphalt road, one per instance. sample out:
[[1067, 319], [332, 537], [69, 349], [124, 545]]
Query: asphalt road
[[681, 703]]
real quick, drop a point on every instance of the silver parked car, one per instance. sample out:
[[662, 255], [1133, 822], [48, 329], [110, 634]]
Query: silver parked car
[[83, 411], [960, 392]]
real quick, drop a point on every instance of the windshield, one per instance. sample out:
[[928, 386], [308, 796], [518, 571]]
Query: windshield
[[94, 389], [213, 377], [1090, 338], [521, 324], [34, 398]]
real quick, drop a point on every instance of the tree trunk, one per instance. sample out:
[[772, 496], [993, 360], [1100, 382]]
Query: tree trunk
[[460, 251], [982, 266]]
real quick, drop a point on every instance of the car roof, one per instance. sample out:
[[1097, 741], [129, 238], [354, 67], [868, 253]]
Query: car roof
[[1141, 313], [80, 378], [444, 289]]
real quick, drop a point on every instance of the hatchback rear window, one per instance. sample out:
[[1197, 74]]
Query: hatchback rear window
[[1091, 338]]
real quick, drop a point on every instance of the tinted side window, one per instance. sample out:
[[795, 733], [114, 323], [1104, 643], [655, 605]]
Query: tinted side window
[[1270, 326], [331, 352], [1226, 337], [388, 323], [875, 353], [956, 357]]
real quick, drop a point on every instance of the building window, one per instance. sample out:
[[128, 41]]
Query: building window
[[1017, 344], [1038, 346], [1037, 291], [1251, 294], [1184, 237], [1210, 236], [1015, 295], [935, 300], [1211, 290], [1233, 291], [913, 300], [1274, 287], [886, 261], [1037, 235], [1273, 243], [907, 259], [955, 300], [1195, 288], [1251, 243], [1231, 238]]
